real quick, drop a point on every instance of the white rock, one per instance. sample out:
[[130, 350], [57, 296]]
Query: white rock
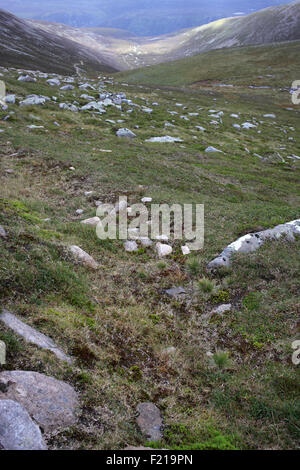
[[248, 125], [26, 78], [163, 249], [222, 309], [33, 100], [185, 250], [83, 257], [93, 221], [127, 133], [53, 82], [165, 139], [10, 99], [146, 199], [212, 149], [130, 246]]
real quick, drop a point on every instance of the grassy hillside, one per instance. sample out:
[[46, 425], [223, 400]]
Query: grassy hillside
[[274, 65], [116, 321]]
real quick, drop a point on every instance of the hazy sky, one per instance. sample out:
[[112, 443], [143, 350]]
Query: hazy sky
[[143, 17]]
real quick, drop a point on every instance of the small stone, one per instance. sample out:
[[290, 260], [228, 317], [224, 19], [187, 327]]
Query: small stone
[[3, 233], [93, 221], [72, 168], [79, 212], [185, 250], [165, 139], [17, 430], [150, 421], [212, 149], [163, 249], [146, 199], [145, 242], [83, 257], [175, 291], [222, 309], [127, 133], [130, 246]]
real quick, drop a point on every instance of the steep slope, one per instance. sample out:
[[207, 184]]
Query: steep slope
[[273, 24], [26, 45]]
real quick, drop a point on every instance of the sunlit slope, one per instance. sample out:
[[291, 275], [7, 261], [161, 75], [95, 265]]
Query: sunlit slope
[[256, 65]]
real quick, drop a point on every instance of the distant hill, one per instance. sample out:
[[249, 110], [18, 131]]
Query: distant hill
[[274, 24], [140, 17], [25, 45], [57, 47]]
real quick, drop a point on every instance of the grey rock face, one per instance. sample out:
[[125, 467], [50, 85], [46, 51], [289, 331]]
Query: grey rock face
[[53, 404], [31, 335], [17, 430], [252, 241], [126, 133], [150, 421]]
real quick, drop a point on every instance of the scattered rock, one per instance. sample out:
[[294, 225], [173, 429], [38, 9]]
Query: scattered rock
[[165, 139], [175, 291], [26, 78], [31, 335], [211, 149], [93, 221], [126, 133], [17, 430], [52, 404], [185, 250], [222, 309], [33, 100], [69, 107], [150, 421], [130, 246], [253, 241], [10, 99], [163, 249], [83, 257], [3, 233], [53, 81]]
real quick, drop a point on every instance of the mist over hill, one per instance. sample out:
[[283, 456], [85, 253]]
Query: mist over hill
[[141, 17]]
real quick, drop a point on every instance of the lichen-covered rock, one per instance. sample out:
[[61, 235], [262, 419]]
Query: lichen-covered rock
[[52, 404], [149, 421], [31, 335], [17, 430]]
